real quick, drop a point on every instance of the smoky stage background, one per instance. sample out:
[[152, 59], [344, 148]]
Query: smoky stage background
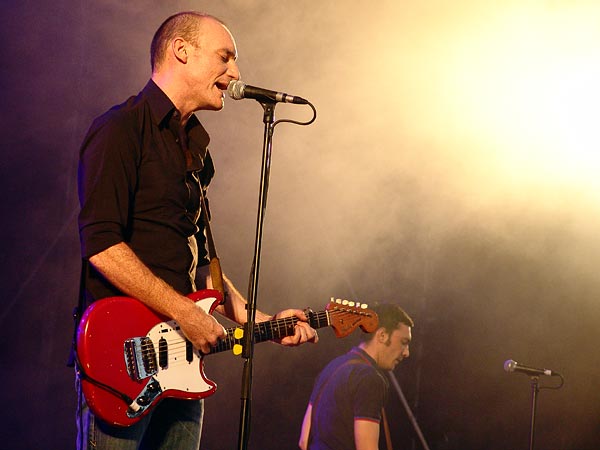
[[453, 168]]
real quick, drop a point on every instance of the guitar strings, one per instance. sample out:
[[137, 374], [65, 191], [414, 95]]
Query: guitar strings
[[177, 348]]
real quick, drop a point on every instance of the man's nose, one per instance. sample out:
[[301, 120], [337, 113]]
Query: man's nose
[[233, 71]]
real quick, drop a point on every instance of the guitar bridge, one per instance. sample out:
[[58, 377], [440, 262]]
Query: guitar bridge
[[140, 358]]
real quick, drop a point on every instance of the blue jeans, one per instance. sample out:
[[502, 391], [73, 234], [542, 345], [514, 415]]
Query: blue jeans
[[172, 424]]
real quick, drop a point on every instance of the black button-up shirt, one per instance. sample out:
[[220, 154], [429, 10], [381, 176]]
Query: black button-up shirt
[[139, 184]]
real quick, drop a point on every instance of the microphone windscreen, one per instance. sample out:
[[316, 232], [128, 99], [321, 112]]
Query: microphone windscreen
[[236, 89], [510, 365]]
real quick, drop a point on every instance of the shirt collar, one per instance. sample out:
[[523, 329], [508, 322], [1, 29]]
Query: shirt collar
[[364, 355], [161, 106], [162, 109]]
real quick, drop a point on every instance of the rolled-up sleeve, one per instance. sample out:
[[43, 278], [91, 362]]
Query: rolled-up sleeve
[[107, 178]]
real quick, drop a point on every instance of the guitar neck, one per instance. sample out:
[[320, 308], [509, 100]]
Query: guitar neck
[[271, 329]]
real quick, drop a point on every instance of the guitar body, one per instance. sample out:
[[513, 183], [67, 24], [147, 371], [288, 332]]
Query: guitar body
[[130, 357], [121, 381]]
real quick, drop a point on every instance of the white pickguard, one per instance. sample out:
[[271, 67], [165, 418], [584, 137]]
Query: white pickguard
[[179, 374]]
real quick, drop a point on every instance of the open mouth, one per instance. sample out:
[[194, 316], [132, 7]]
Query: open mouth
[[221, 85]]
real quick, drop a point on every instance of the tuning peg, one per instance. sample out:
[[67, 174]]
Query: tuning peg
[[238, 333], [364, 306], [237, 349]]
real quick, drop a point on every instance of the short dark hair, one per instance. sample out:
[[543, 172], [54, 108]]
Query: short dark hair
[[390, 317], [184, 24]]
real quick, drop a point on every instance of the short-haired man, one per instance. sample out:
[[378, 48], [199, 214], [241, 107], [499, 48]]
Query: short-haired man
[[345, 407], [143, 166]]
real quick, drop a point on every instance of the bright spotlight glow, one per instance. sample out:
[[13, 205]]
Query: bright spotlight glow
[[518, 88], [534, 91]]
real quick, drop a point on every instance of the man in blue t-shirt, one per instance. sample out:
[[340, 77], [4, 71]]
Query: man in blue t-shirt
[[345, 407]]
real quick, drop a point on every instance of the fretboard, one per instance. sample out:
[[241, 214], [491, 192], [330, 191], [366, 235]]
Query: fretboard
[[272, 329]]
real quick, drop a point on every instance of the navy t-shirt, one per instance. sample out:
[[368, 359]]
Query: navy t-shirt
[[350, 387]]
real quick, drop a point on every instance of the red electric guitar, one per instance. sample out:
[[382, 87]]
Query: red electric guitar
[[131, 357]]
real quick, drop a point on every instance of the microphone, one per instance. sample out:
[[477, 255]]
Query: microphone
[[513, 366], [238, 90]]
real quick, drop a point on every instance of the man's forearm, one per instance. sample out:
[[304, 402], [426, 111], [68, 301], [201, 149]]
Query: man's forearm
[[125, 270], [120, 265]]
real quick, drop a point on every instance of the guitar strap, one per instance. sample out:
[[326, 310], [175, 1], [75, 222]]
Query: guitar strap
[[386, 430], [216, 274]]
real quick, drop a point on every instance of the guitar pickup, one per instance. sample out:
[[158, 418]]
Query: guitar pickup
[[140, 358]]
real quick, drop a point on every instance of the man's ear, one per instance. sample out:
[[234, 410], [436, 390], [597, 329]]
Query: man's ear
[[179, 48], [381, 335]]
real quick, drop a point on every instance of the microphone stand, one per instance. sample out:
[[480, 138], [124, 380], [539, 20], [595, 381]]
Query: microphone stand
[[535, 389], [411, 416], [248, 346]]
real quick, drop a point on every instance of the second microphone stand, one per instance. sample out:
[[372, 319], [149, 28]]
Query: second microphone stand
[[535, 389]]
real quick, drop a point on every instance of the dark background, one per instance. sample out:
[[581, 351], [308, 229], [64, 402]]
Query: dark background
[[422, 182]]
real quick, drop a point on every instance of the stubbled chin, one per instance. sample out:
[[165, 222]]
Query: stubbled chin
[[217, 104]]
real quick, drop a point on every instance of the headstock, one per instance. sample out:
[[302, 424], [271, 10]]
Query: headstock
[[345, 316]]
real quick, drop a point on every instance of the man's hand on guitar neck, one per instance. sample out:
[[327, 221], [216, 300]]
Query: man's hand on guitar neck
[[303, 331], [235, 309], [204, 331]]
